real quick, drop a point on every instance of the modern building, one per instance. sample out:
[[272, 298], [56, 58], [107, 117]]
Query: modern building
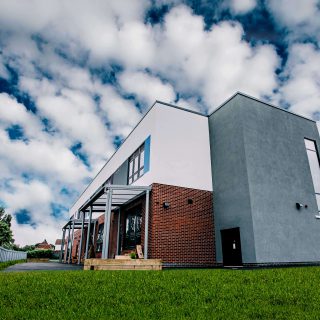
[[240, 186]]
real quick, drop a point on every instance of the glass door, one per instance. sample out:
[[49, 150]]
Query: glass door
[[132, 235]]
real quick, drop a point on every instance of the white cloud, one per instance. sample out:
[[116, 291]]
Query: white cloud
[[26, 234], [242, 6], [300, 17], [302, 88], [216, 63], [14, 113], [35, 197], [121, 113], [27, 196], [48, 158], [146, 87]]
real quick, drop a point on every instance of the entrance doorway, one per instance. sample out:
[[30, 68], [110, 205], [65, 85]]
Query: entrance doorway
[[231, 247], [132, 232]]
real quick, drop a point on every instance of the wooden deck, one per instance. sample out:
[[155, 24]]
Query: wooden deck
[[122, 264]]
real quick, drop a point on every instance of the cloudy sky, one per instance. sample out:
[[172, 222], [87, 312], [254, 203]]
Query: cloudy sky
[[76, 76]]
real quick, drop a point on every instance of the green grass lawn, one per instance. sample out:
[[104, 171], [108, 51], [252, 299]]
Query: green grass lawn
[[292, 293]]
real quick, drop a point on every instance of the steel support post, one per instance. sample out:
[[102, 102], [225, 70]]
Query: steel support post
[[118, 233], [72, 240], [81, 237], [62, 244], [94, 235], [88, 232], [106, 231], [146, 226], [67, 247]]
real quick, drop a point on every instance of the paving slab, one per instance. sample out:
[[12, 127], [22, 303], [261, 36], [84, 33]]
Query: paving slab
[[42, 266]]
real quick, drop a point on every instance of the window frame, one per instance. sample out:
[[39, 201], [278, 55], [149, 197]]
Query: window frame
[[134, 173], [317, 154]]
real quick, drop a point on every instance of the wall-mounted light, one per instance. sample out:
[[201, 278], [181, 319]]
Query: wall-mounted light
[[300, 206], [166, 205], [190, 201]]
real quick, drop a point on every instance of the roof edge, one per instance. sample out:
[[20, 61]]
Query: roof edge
[[258, 100], [180, 108]]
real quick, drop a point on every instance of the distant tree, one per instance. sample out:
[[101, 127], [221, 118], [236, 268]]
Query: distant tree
[[6, 236], [28, 248]]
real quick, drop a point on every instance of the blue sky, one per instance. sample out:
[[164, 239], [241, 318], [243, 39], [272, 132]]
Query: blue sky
[[76, 76]]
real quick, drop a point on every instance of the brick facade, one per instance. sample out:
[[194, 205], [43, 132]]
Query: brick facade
[[183, 233], [180, 235]]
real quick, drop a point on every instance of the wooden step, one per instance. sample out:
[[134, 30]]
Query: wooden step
[[122, 264]]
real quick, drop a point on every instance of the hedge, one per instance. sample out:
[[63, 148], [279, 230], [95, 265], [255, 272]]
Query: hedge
[[40, 254]]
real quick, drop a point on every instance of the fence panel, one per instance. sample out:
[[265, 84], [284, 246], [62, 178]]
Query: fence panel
[[10, 255]]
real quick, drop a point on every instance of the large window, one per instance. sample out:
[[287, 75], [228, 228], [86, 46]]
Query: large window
[[314, 167], [136, 165]]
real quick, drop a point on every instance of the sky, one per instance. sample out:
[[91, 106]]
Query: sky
[[76, 76]]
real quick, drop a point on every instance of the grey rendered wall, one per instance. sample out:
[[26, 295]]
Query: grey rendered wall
[[121, 175], [279, 176], [230, 179]]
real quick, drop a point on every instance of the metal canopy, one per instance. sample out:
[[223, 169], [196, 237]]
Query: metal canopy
[[121, 194], [117, 195], [106, 199]]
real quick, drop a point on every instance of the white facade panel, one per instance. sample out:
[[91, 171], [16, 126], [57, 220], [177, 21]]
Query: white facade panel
[[179, 151]]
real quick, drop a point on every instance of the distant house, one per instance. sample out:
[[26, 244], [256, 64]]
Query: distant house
[[44, 245]]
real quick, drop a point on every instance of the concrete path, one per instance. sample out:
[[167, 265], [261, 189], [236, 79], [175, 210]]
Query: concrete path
[[43, 266]]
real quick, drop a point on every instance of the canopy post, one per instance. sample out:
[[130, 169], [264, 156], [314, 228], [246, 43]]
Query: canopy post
[[106, 231], [88, 232], [146, 226], [72, 237], [118, 233], [81, 237], [62, 244]]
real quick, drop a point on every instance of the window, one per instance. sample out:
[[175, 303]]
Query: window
[[314, 167], [136, 165], [100, 238]]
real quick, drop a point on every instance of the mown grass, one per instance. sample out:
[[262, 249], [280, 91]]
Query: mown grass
[[292, 293], [4, 265]]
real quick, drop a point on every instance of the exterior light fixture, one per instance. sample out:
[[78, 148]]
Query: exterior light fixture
[[299, 205], [190, 201], [166, 205]]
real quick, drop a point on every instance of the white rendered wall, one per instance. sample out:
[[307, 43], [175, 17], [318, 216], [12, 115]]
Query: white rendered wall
[[179, 151]]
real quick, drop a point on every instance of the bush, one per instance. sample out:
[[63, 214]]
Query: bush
[[132, 255], [38, 254]]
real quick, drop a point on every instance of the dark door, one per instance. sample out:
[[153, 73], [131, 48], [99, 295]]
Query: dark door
[[231, 247], [132, 236]]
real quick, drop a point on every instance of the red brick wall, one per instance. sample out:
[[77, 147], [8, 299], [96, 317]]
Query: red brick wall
[[182, 234]]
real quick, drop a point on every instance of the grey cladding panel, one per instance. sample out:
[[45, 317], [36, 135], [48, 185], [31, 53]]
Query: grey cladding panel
[[121, 175]]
